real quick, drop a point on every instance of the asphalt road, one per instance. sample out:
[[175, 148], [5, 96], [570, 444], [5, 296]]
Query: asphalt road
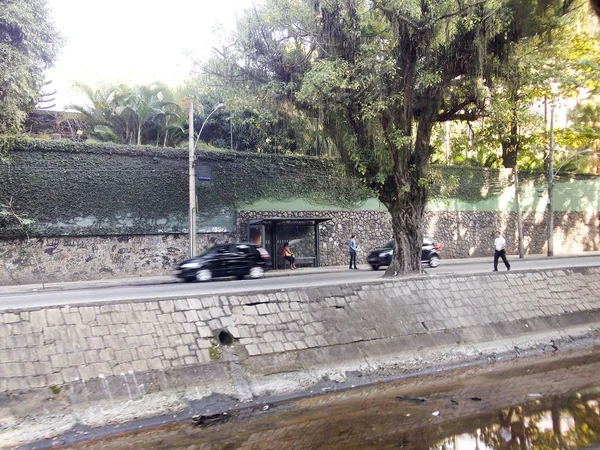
[[30, 296]]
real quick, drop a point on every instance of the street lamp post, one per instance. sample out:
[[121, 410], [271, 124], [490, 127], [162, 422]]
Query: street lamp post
[[192, 173], [551, 175], [551, 184]]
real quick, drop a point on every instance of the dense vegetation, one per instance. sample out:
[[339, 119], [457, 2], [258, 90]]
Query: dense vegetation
[[28, 45], [386, 86], [383, 75]]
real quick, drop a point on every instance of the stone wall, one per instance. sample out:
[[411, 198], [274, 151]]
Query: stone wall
[[55, 259], [462, 235], [116, 356], [465, 234]]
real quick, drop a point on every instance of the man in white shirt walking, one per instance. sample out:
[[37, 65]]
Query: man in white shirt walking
[[500, 251]]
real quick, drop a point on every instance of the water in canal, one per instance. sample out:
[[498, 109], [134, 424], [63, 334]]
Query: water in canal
[[548, 402]]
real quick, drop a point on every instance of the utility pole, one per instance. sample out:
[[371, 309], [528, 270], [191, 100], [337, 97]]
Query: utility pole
[[551, 183], [192, 172], [230, 133], [192, 182], [519, 215]]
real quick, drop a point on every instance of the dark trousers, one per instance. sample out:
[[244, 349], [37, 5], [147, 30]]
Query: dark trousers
[[500, 254], [353, 260]]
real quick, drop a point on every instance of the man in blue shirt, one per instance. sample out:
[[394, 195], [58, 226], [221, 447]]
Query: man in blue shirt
[[353, 248]]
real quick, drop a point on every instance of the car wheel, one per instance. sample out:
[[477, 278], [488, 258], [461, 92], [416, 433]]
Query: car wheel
[[374, 267], [434, 261], [257, 272], [203, 275]]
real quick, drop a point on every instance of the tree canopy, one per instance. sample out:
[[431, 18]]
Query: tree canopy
[[381, 74], [29, 44]]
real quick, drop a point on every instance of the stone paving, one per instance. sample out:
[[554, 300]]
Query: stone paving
[[66, 344], [92, 365]]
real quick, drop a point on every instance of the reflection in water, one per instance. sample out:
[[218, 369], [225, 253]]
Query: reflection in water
[[550, 405], [560, 422], [568, 422]]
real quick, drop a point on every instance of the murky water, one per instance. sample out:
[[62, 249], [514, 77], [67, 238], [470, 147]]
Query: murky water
[[549, 402]]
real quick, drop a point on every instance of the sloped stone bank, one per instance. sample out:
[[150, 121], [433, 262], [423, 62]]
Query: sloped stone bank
[[93, 364]]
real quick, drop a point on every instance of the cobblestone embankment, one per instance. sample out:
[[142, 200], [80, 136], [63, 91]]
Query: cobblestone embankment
[[91, 365]]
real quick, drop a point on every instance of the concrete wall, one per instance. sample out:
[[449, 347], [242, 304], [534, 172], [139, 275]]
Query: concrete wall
[[89, 364], [462, 234]]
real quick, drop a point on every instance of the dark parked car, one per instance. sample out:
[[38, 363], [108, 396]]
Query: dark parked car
[[225, 260], [430, 254]]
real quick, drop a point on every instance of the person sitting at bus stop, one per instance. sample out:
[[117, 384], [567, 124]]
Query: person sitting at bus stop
[[289, 255]]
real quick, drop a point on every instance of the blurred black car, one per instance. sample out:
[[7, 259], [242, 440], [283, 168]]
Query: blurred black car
[[430, 254], [225, 260]]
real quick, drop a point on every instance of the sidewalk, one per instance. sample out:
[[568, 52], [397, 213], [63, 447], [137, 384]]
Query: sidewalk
[[139, 281], [163, 279]]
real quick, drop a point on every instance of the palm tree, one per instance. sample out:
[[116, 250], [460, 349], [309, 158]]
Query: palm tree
[[132, 115]]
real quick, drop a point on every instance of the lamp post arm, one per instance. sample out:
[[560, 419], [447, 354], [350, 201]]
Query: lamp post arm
[[589, 150], [219, 106]]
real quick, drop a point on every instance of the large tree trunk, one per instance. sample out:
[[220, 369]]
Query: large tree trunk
[[406, 193], [407, 218]]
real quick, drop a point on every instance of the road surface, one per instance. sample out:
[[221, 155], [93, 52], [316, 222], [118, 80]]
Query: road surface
[[24, 297]]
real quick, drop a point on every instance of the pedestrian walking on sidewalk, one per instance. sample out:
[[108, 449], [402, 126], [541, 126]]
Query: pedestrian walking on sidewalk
[[353, 248], [500, 251]]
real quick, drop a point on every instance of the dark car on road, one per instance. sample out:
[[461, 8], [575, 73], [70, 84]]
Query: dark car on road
[[430, 254], [225, 260]]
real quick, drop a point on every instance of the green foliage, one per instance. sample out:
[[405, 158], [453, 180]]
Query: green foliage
[[256, 121], [214, 352], [55, 389], [18, 224], [143, 189], [7, 142], [585, 132], [558, 58], [382, 74], [141, 114], [261, 108], [28, 45]]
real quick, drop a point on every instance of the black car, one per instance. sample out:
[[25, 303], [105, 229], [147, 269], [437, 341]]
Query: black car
[[430, 254], [225, 260]]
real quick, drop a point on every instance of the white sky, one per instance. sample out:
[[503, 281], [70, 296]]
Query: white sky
[[135, 41]]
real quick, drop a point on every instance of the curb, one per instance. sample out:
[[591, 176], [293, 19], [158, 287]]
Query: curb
[[167, 279]]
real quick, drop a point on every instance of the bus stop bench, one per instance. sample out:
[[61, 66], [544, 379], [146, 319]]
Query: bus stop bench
[[301, 260]]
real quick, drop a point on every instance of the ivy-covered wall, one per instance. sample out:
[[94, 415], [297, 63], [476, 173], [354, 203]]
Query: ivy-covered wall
[[78, 189], [103, 211], [480, 189]]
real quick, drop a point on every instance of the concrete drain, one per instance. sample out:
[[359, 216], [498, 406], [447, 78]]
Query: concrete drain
[[225, 338]]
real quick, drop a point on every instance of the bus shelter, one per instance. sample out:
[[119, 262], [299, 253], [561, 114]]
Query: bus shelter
[[302, 234]]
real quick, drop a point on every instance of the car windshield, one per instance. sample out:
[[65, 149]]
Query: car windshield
[[389, 244]]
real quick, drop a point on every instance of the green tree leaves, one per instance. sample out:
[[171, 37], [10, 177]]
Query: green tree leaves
[[383, 74], [146, 114], [28, 45]]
